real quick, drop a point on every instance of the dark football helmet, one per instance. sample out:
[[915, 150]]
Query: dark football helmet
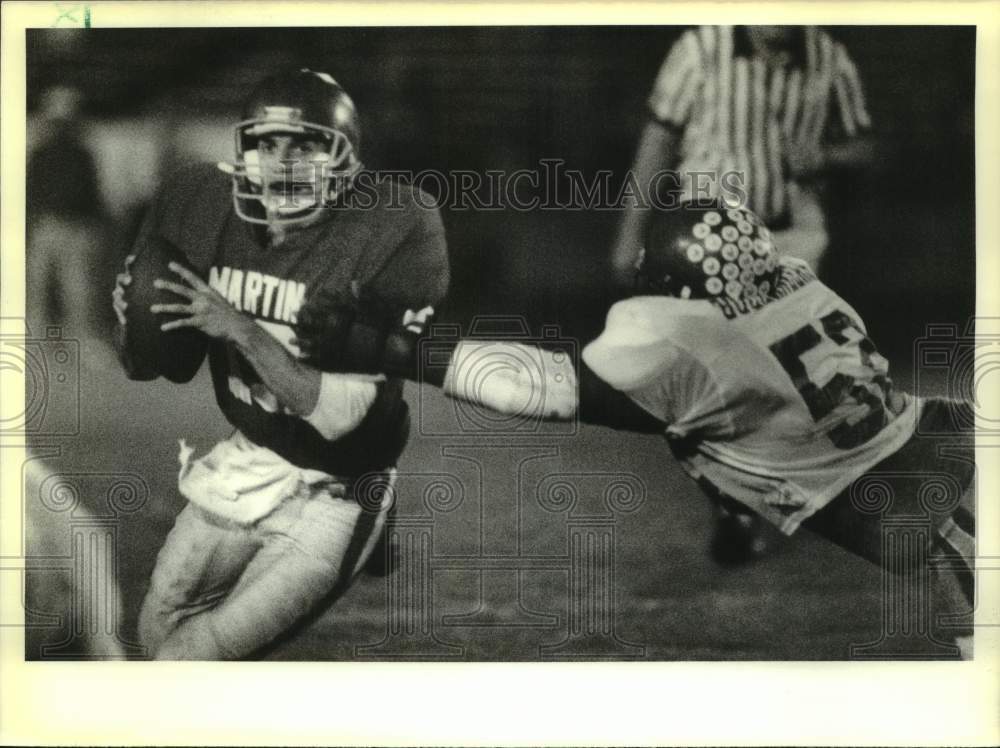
[[706, 250], [307, 106]]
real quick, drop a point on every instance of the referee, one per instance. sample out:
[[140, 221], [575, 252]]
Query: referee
[[776, 106]]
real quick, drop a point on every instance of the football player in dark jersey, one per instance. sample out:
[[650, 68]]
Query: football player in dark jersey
[[275, 519]]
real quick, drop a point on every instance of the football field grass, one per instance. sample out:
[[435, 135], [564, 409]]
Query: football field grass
[[559, 542]]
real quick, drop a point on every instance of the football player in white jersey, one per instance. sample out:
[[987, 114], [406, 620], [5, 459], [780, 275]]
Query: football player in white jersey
[[764, 382], [779, 107]]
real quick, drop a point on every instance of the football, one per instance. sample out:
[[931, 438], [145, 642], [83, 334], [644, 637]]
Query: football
[[174, 354]]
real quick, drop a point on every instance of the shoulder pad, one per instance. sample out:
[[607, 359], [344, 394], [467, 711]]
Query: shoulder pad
[[192, 209], [401, 214], [641, 336]]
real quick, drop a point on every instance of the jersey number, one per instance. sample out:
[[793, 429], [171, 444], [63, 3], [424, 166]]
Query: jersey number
[[841, 389], [245, 384]]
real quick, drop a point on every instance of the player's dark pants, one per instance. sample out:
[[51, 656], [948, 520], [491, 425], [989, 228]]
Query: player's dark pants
[[944, 505]]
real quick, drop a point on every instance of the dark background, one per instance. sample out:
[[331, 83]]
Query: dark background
[[902, 232]]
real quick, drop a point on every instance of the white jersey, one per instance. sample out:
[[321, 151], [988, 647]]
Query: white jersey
[[780, 407]]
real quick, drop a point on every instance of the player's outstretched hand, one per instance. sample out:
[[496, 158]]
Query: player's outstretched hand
[[344, 330], [122, 281], [362, 333], [322, 327], [204, 309]]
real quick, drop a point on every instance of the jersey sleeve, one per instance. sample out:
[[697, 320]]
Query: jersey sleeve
[[678, 82], [627, 354], [417, 272], [189, 211], [601, 404], [849, 109]]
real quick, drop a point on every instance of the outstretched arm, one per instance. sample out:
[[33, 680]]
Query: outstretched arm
[[513, 378], [522, 380], [507, 376]]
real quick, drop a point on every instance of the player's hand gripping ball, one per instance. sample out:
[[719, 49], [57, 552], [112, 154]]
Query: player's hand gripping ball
[[174, 354]]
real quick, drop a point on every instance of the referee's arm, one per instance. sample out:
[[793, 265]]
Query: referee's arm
[[847, 141], [676, 87], [658, 150], [852, 154]]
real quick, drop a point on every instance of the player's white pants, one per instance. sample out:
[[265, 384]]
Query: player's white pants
[[223, 590]]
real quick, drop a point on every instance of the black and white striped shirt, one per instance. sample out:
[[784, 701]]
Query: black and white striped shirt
[[738, 111]]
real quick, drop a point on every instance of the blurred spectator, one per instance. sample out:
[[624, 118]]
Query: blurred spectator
[[65, 226]]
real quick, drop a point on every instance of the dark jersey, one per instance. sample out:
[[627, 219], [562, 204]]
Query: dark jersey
[[390, 243]]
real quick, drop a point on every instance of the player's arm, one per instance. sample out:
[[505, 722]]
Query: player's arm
[[295, 385], [509, 377], [603, 405], [532, 382], [333, 403], [513, 378]]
